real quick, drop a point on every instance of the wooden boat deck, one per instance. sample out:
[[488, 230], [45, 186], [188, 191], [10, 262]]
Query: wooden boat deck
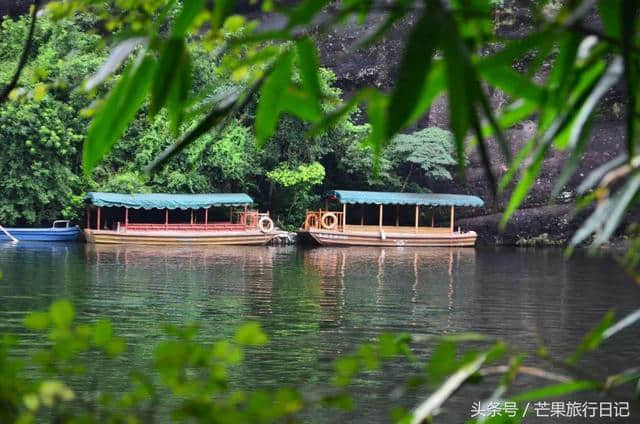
[[429, 237], [180, 237], [393, 229]]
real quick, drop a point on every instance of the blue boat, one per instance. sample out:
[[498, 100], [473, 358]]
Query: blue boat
[[56, 232]]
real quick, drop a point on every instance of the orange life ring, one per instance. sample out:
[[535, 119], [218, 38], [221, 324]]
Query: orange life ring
[[332, 224], [265, 224], [311, 221]]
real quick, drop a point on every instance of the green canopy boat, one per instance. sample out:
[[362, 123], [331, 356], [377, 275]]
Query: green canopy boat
[[401, 227], [167, 219]]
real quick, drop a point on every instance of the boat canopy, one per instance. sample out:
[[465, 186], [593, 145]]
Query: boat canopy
[[420, 199], [168, 201]]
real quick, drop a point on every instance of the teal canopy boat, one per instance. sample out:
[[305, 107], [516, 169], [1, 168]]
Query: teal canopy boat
[[170, 219], [399, 226]]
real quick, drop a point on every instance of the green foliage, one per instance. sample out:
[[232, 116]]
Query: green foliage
[[286, 74], [49, 132], [41, 127], [431, 149], [298, 183], [192, 383], [303, 177]]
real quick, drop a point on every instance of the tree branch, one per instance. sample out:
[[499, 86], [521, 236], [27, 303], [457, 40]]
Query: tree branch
[[25, 54]]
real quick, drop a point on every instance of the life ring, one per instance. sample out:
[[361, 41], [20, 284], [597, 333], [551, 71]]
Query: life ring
[[332, 224], [311, 221], [265, 224]]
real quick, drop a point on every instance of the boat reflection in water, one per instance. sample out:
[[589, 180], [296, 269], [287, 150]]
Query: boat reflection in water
[[326, 285], [205, 280], [422, 280]]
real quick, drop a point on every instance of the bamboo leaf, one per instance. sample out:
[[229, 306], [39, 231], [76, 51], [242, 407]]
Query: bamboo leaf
[[117, 112], [511, 115], [118, 55], [582, 91], [512, 83], [464, 91], [304, 12], [190, 9], [301, 104], [221, 11], [610, 12], [525, 183], [628, 18], [214, 118], [434, 85], [596, 175], [593, 338], [460, 93], [309, 66], [620, 203], [433, 402], [575, 156], [555, 390], [340, 113], [271, 94], [630, 319], [608, 79], [179, 92], [376, 111], [418, 55], [558, 83], [591, 224], [399, 10], [516, 49], [524, 153], [169, 68]]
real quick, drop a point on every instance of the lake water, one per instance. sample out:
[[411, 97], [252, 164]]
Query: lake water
[[318, 304]]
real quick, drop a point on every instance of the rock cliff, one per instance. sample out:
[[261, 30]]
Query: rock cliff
[[541, 218]]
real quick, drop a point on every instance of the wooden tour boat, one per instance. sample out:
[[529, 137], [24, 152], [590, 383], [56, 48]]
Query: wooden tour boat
[[332, 228], [60, 230], [113, 223]]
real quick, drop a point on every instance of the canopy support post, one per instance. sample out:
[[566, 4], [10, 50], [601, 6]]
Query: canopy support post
[[417, 217], [433, 218], [362, 214], [191, 217], [244, 216], [98, 222], [126, 217], [88, 213], [326, 205], [451, 223], [397, 215], [380, 219], [344, 215], [166, 219], [206, 218]]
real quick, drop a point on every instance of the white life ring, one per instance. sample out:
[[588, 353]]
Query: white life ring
[[333, 222], [265, 224]]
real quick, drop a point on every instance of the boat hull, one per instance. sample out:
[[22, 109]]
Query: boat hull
[[42, 234], [167, 238], [362, 238]]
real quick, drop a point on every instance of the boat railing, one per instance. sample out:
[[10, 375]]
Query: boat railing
[[251, 218], [66, 223], [324, 220], [239, 221], [211, 226]]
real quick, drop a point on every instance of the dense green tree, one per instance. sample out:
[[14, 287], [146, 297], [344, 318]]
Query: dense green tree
[[48, 120], [41, 129]]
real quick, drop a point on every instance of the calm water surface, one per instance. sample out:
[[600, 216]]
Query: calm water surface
[[317, 304]]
